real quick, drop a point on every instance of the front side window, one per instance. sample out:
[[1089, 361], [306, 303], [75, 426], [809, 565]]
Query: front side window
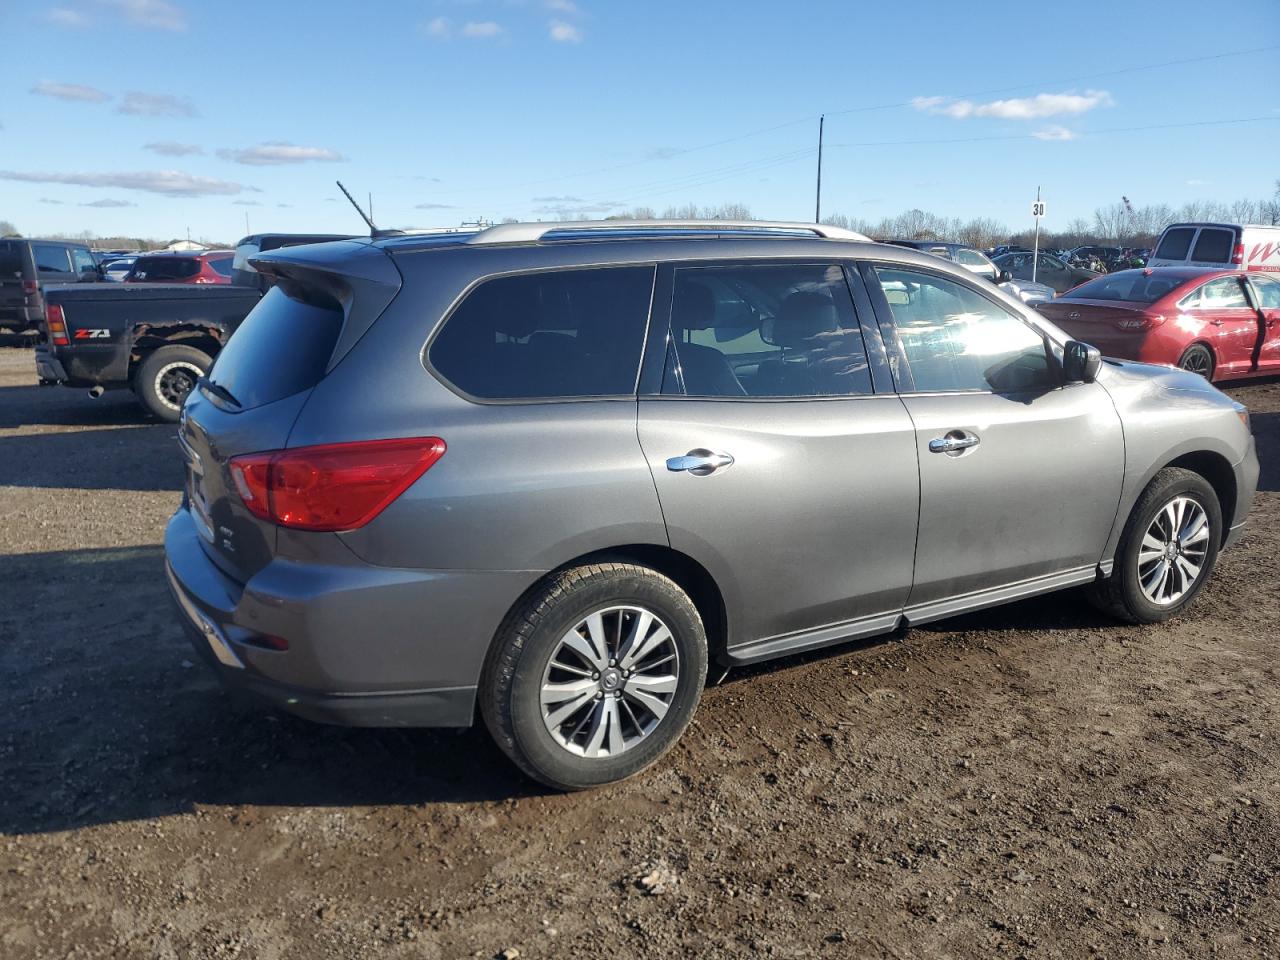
[[558, 334], [1268, 292], [971, 258], [1213, 246], [51, 258], [1050, 263], [1175, 243], [954, 339], [765, 330], [84, 262]]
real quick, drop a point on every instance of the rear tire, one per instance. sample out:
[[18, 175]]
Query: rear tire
[[164, 379], [1198, 359], [629, 711], [1161, 542]]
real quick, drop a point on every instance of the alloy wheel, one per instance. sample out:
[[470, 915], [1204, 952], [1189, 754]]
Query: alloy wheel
[[1172, 554], [610, 681]]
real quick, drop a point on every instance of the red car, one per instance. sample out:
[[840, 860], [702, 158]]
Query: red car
[[210, 266], [1221, 324]]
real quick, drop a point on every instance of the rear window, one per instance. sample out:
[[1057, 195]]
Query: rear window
[[1126, 287], [10, 260], [1175, 243], [1213, 246], [280, 349], [569, 333], [164, 269]]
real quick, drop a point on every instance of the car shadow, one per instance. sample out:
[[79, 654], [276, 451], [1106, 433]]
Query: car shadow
[[110, 715], [110, 458], [1266, 435], [69, 406]]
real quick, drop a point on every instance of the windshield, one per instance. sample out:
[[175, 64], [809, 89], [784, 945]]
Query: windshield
[[1136, 287]]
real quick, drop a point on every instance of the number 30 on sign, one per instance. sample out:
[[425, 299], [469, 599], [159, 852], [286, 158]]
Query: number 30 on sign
[[1037, 208]]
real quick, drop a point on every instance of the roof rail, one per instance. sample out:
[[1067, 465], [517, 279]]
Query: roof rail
[[533, 232]]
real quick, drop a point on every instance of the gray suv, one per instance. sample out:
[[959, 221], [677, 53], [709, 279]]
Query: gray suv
[[556, 470]]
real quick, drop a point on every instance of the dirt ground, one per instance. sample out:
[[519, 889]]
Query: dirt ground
[[1032, 781]]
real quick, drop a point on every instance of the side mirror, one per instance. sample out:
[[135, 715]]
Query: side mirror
[[1080, 362], [1004, 276]]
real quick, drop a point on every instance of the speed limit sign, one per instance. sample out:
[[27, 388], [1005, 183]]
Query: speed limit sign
[[1037, 208]]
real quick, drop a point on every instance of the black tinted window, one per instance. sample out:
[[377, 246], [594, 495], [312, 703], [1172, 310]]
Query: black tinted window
[[1213, 246], [164, 269], [955, 339], [280, 349], [1175, 243], [10, 260], [766, 330], [51, 258], [568, 333]]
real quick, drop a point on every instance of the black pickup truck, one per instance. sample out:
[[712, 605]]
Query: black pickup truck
[[155, 338]]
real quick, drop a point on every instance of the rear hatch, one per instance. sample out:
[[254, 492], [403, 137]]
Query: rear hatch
[[262, 379], [17, 276]]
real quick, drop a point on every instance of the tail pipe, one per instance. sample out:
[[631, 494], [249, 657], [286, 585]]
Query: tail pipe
[[96, 391]]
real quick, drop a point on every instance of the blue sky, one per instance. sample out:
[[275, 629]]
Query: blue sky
[[149, 117]]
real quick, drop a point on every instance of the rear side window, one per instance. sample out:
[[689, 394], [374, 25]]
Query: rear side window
[[51, 258], [1268, 292], [954, 339], [561, 334], [221, 266], [1175, 244], [1213, 246], [10, 260], [280, 349], [164, 269], [765, 330]]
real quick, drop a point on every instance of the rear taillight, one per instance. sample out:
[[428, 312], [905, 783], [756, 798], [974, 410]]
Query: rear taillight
[[30, 288], [56, 324], [1148, 322], [1237, 255], [338, 486]]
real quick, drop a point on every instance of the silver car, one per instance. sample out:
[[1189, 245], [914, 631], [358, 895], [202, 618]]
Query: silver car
[[555, 471]]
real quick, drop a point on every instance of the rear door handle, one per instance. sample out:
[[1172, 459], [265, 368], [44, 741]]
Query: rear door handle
[[954, 443], [700, 462]]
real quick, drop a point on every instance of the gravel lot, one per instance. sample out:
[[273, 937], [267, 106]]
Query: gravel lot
[[1030, 781]]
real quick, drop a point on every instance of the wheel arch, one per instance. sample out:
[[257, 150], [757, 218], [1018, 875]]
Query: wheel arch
[[1213, 354], [148, 338], [1217, 470]]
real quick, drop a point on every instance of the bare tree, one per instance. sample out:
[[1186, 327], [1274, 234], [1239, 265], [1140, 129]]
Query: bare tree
[[7, 229]]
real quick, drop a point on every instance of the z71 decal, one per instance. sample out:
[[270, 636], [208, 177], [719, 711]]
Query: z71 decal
[[88, 333]]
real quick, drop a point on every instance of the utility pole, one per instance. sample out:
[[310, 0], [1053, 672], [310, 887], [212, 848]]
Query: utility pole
[[1037, 211], [817, 204]]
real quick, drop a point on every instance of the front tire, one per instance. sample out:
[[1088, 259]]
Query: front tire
[[167, 376], [1167, 550], [594, 675]]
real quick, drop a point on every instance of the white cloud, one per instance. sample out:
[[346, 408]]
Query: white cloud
[[171, 148], [153, 14], [106, 202], [172, 183], [559, 199], [156, 105], [562, 32], [1198, 183], [481, 29], [56, 203], [567, 7], [280, 152], [438, 27], [1018, 108], [64, 17], [1055, 133], [246, 203], [70, 91], [435, 206]]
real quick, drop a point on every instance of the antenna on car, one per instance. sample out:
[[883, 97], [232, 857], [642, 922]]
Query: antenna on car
[[373, 230]]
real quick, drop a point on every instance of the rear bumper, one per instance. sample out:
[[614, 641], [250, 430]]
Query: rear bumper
[[368, 646]]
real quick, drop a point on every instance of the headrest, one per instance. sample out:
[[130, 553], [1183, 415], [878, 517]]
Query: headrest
[[694, 306], [801, 317]]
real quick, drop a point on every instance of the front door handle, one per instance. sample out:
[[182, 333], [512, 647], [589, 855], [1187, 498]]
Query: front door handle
[[700, 462], [954, 443]]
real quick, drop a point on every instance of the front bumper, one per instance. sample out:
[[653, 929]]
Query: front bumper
[[368, 646], [1247, 472]]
